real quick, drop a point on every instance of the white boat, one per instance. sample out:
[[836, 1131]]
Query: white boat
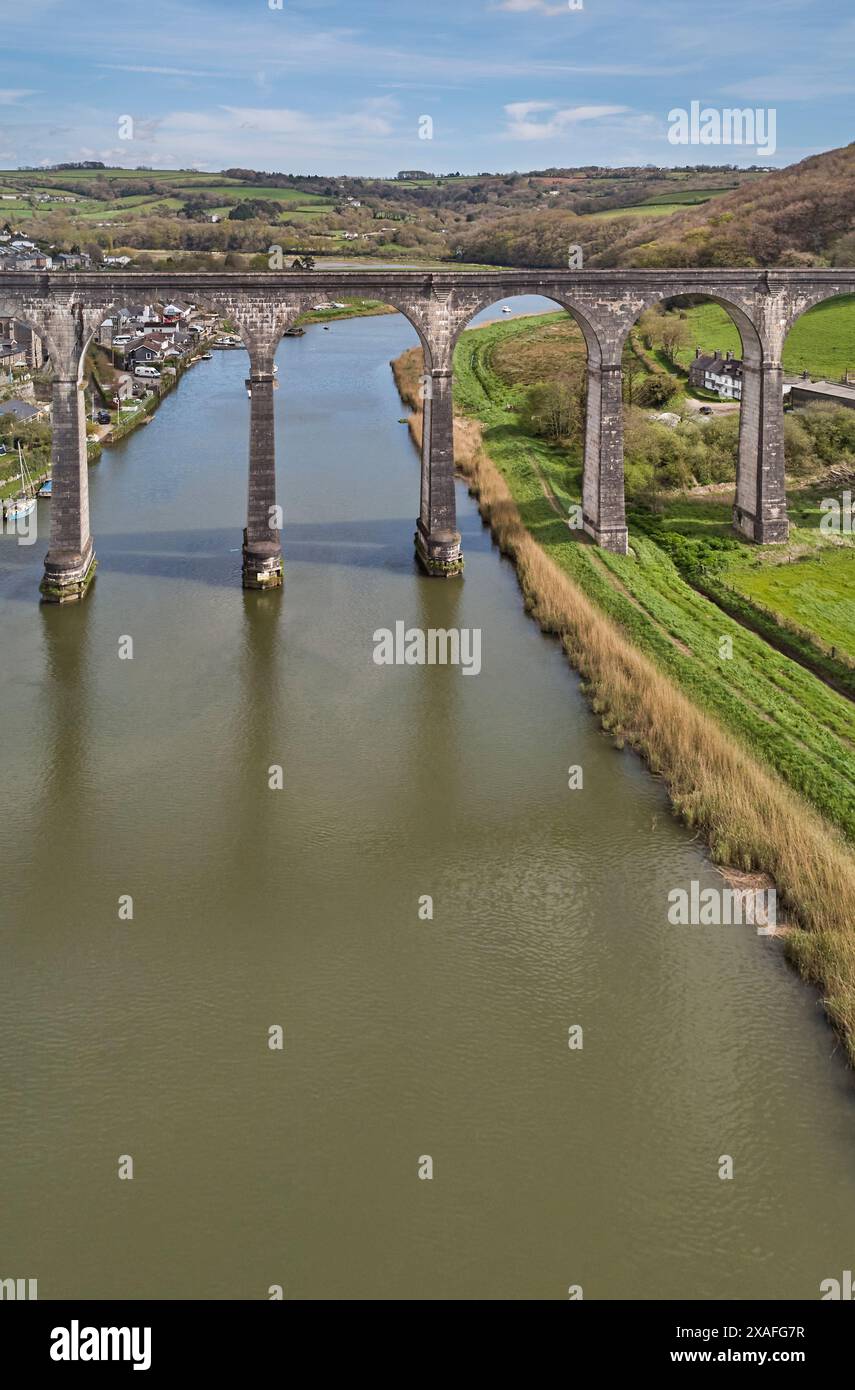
[[506, 309], [22, 505]]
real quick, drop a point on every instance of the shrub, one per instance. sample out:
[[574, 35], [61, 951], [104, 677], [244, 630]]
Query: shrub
[[656, 390]]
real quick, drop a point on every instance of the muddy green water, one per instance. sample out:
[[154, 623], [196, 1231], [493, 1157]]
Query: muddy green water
[[299, 907]]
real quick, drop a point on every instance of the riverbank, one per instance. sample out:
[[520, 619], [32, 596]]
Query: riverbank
[[353, 309], [639, 674]]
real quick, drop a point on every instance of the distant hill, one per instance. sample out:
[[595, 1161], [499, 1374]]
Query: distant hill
[[801, 215], [643, 216]]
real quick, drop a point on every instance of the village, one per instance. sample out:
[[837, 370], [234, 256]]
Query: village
[[136, 357]]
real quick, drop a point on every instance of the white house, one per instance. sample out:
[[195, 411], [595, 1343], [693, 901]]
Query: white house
[[716, 373]]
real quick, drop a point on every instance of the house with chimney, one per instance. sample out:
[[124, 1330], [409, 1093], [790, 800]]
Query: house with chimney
[[714, 372], [72, 260], [12, 356], [13, 331]]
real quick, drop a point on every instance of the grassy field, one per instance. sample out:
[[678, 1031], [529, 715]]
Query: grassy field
[[664, 204], [686, 197], [641, 210], [178, 187], [816, 592], [236, 193]]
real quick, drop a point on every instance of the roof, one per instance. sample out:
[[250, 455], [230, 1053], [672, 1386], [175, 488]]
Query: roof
[[22, 410], [715, 365], [834, 390]]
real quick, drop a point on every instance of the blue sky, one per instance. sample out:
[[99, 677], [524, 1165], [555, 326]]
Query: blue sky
[[324, 86]]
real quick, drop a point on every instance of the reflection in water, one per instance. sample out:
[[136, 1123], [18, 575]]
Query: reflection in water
[[261, 719], [63, 743], [437, 763], [65, 707]]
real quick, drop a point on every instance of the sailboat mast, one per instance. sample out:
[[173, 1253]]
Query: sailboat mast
[[26, 480]]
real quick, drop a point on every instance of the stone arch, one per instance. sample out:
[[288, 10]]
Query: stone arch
[[811, 302], [752, 342], [603, 514], [759, 511], [17, 312], [32, 317], [94, 327], [405, 309], [802, 304], [558, 297]]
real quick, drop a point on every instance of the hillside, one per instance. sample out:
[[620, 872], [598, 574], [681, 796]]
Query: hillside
[[802, 215], [240, 211]]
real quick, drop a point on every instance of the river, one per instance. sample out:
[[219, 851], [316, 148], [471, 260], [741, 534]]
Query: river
[[552, 1166]]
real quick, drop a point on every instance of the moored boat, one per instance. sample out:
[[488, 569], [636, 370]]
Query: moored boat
[[25, 502]]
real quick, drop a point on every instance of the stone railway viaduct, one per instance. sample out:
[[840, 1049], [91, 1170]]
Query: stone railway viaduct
[[66, 310]]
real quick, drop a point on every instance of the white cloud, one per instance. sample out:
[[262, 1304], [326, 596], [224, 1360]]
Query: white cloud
[[520, 127], [527, 6], [519, 110], [264, 137], [9, 96], [160, 72], [304, 126]]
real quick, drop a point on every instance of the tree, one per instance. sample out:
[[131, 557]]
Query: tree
[[656, 390], [552, 410], [648, 327], [255, 208], [631, 373], [673, 337]]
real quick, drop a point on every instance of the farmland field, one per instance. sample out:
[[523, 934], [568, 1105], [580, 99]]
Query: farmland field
[[642, 210]]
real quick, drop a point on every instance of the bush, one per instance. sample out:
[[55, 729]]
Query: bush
[[552, 410], [831, 429], [656, 391]]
